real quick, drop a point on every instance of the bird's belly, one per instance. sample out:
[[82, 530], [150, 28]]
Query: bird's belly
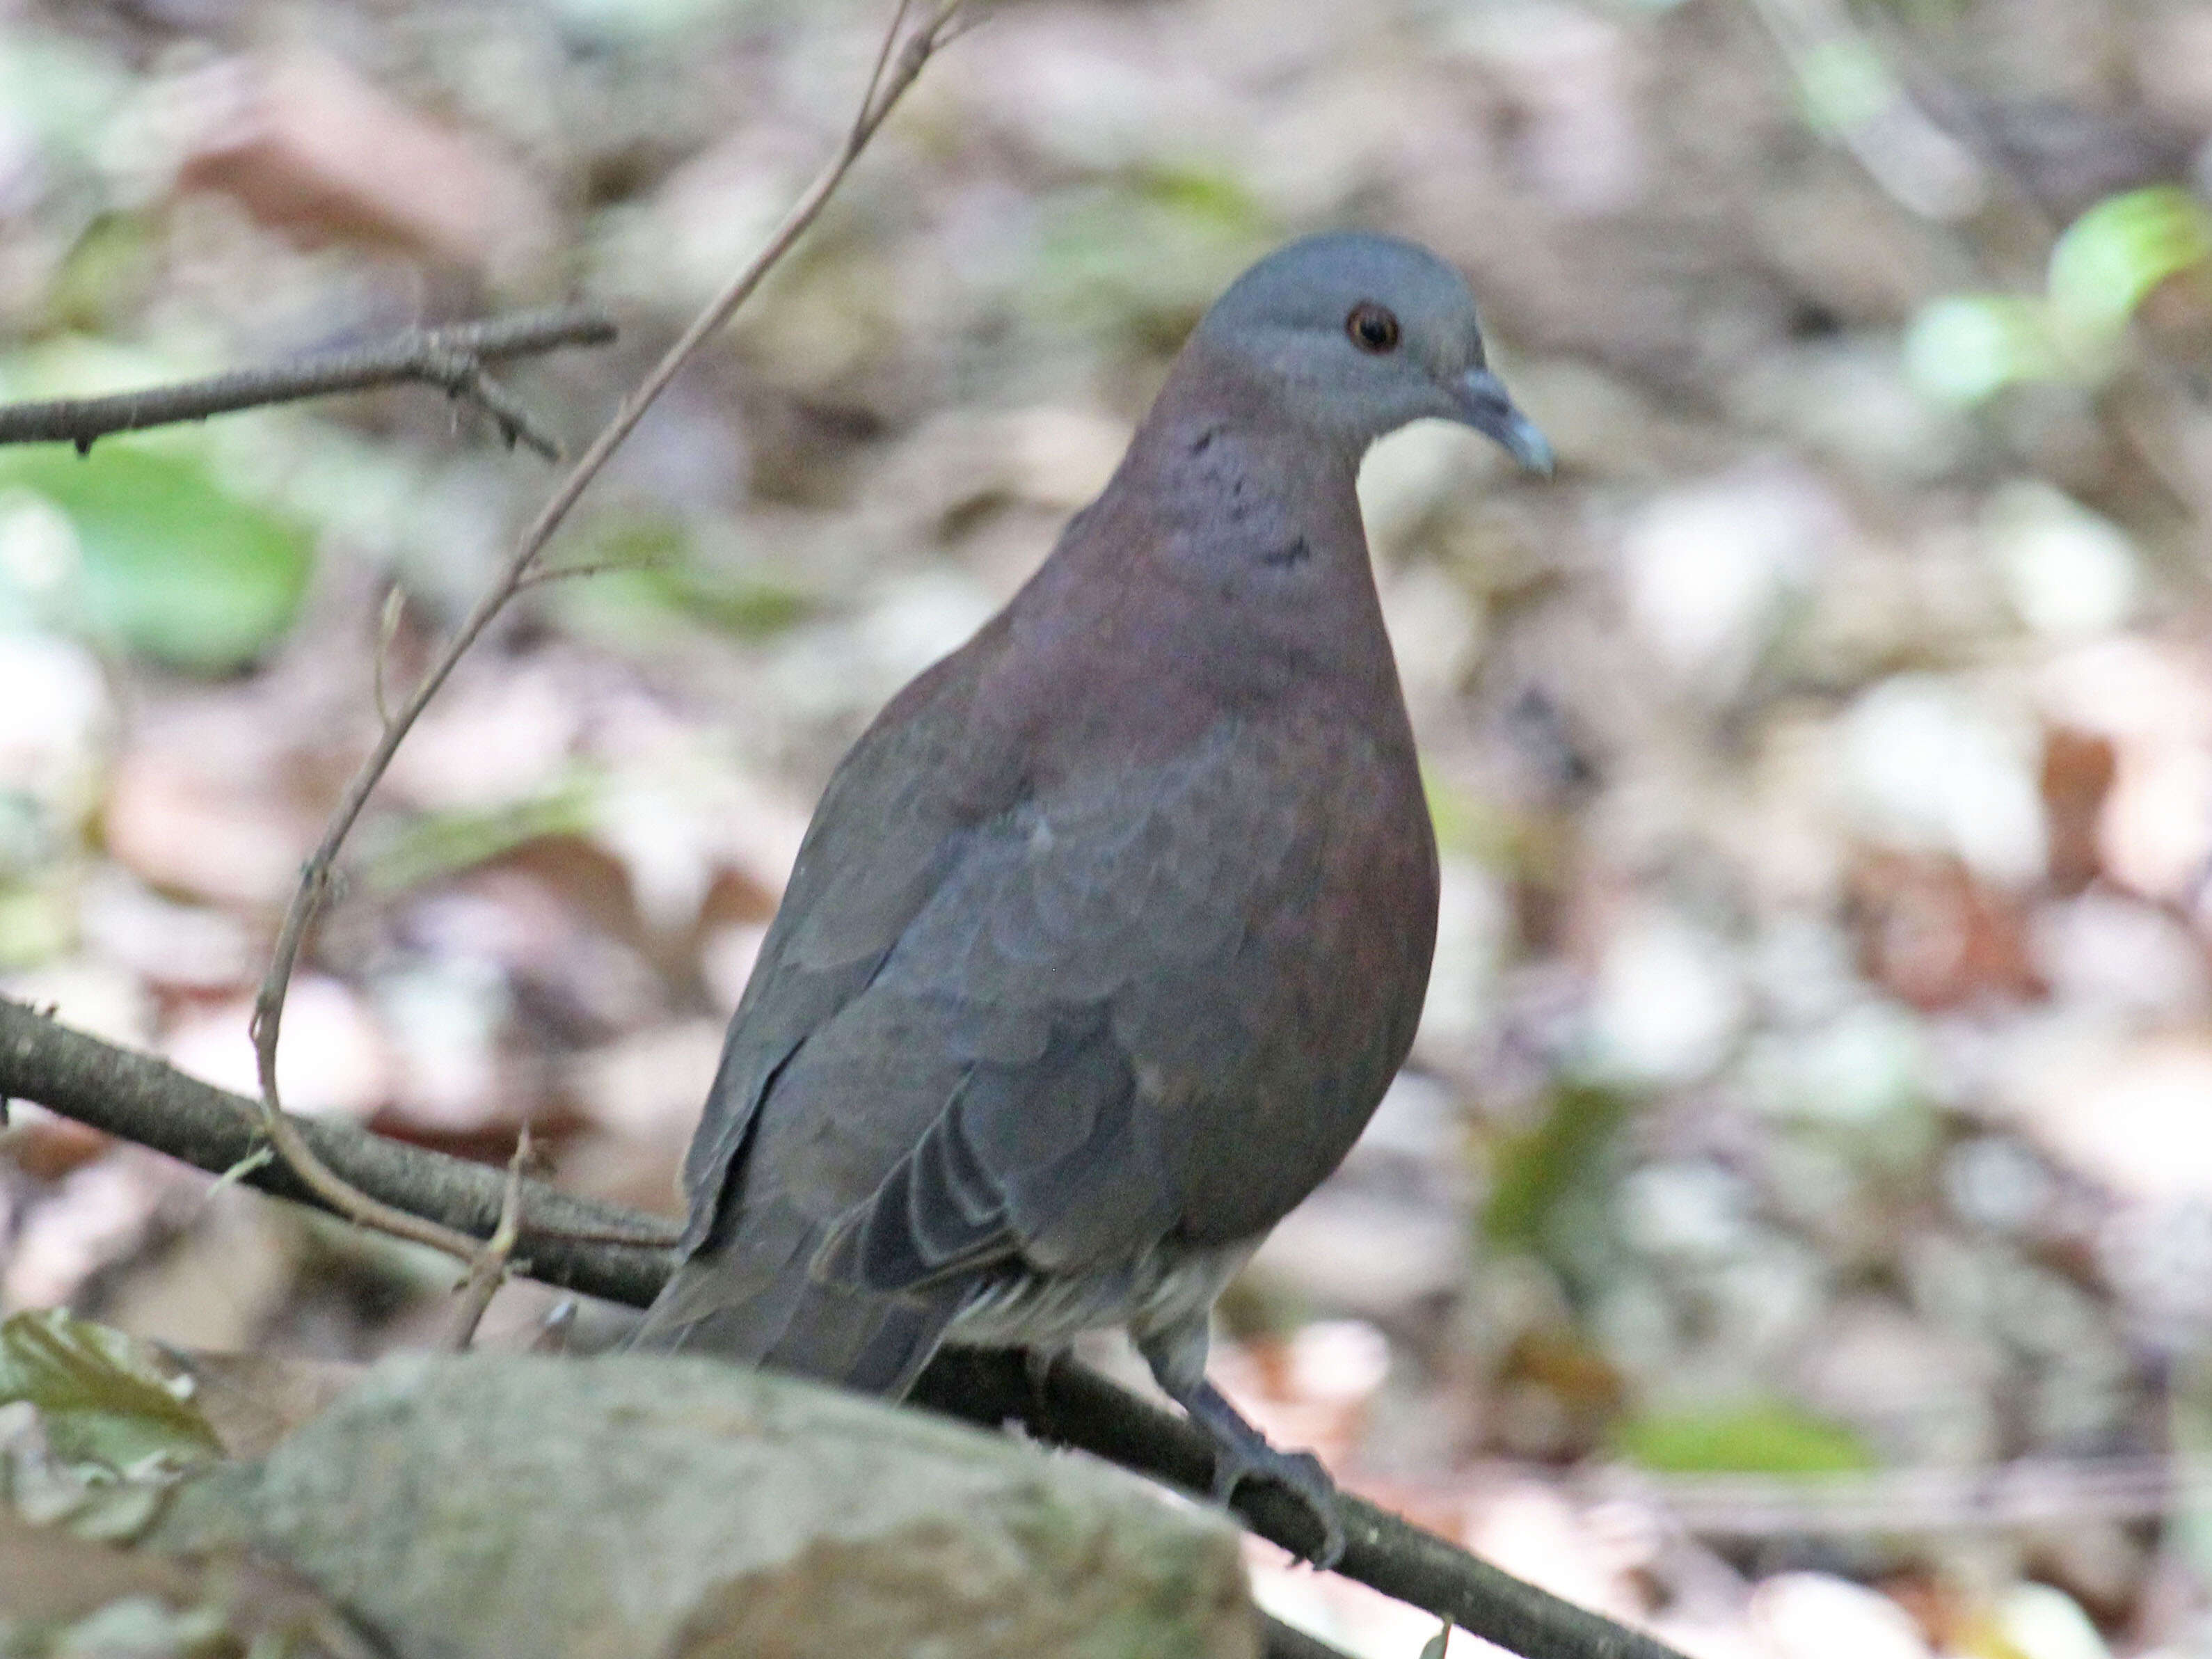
[[1164, 1286]]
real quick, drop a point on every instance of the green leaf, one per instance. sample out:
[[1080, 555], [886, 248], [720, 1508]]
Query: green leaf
[[2110, 258], [1966, 348], [116, 259], [1143, 253], [656, 572], [1768, 1437], [103, 1397], [65, 91], [1845, 84], [441, 843], [169, 563], [37, 922], [1550, 1193], [2189, 1426]]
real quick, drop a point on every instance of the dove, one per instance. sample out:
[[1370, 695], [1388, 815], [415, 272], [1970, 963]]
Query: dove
[[1109, 933]]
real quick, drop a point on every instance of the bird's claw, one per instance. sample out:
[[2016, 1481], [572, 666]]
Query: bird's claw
[[1301, 1474]]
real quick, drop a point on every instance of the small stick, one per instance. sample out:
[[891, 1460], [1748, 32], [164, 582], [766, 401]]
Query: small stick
[[571, 572], [896, 67], [387, 630], [488, 1270], [452, 359]]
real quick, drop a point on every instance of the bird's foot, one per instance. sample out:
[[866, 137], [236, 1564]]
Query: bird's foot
[[1242, 1453]]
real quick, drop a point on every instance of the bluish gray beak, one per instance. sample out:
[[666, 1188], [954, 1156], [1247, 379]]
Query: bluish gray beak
[[1484, 406]]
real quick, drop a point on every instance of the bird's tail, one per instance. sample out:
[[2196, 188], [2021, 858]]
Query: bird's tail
[[737, 1304]]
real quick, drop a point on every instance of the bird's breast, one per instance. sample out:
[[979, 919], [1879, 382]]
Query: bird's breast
[[1281, 901]]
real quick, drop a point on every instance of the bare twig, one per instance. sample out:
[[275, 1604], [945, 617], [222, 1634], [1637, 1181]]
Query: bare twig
[[387, 630], [146, 1101], [556, 1329], [634, 1230], [151, 1102], [904, 52], [452, 359], [489, 1270], [1280, 1641], [564, 572]]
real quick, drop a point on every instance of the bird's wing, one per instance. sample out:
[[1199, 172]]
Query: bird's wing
[[1155, 998], [1024, 1073], [890, 824], [999, 1069]]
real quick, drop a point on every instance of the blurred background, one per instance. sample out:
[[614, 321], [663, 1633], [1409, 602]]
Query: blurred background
[[1795, 1227]]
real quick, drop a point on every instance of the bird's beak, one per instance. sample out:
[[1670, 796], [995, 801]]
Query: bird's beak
[[1484, 405]]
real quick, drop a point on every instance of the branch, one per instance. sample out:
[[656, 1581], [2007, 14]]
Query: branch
[[141, 1099], [452, 359], [1280, 1641], [903, 54], [1074, 1406], [138, 1098]]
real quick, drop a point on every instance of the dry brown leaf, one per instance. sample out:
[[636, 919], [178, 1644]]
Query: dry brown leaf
[[309, 147]]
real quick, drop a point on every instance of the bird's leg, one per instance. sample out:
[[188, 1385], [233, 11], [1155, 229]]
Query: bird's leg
[[1176, 1354]]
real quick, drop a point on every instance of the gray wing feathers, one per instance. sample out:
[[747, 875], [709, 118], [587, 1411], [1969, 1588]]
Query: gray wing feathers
[[943, 1068], [798, 1323], [1053, 1164], [883, 837]]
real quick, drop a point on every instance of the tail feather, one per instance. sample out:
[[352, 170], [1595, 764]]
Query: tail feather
[[761, 1305], [865, 1340]]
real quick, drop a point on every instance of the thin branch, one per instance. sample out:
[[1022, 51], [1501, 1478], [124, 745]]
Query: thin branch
[[144, 1100], [489, 1271], [556, 1329], [602, 1249], [472, 382], [387, 630], [884, 89], [1280, 1641], [564, 572], [452, 359], [876, 71], [1070, 1404]]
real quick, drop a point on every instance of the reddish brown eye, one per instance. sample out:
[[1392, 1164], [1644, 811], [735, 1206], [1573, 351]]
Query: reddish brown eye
[[1372, 327]]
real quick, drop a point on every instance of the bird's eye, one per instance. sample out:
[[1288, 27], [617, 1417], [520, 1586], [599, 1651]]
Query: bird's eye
[[1372, 327]]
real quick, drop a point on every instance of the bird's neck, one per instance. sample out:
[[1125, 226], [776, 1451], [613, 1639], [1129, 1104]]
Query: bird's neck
[[1217, 425], [1224, 568], [1225, 486]]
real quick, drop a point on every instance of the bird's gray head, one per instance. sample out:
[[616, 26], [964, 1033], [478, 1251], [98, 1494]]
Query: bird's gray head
[[1368, 333]]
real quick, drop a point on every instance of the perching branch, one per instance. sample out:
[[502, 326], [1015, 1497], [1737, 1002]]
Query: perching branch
[[904, 52], [451, 359], [1280, 1641], [138, 1098], [141, 1099]]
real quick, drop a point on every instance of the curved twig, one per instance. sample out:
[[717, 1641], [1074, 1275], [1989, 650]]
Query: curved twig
[[496, 1258], [900, 61]]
